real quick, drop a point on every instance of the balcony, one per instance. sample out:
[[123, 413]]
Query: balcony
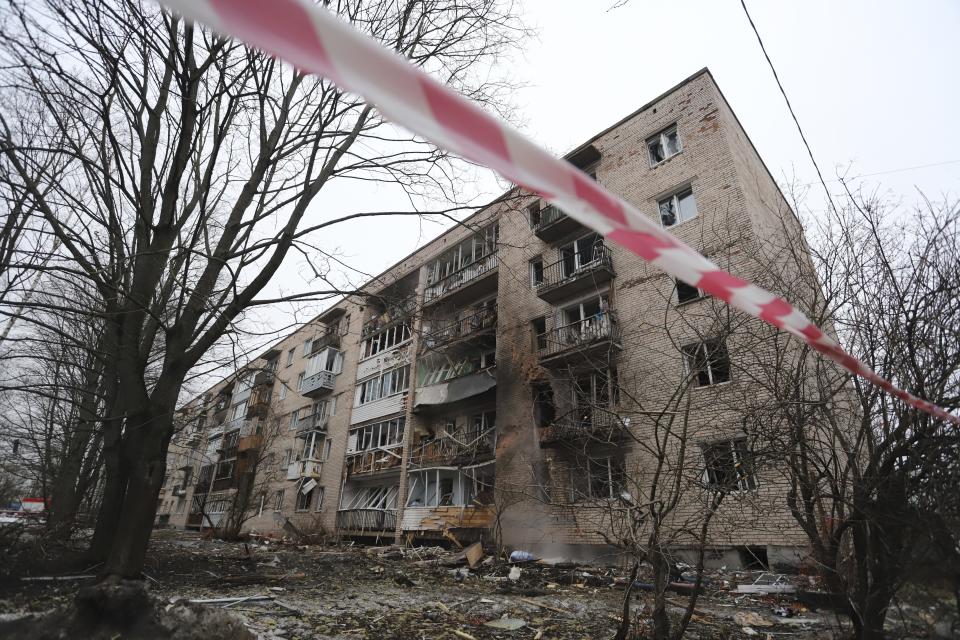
[[313, 423], [589, 424], [575, 274], [318, 383], [455, 449], [468, 282], [374, 460], [329, 338], [367, 520], [455, 389], [554, 224], [304, 469], [480, 322], [588, 338]]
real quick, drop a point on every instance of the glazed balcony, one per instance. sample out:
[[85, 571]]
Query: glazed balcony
[[313, 423], [554, 224], [577, 273], [466, 283], [585, 339]]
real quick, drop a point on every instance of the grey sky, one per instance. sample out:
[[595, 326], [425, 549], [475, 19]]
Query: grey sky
[[873, 82]]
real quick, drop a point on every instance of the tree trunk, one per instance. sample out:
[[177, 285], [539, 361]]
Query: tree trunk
[[114, 487], [661, 577], [623, 631], [146, 450]]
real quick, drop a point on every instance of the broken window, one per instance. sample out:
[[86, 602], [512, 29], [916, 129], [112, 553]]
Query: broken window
[[539, 327], [580, 253], [678, 208], [665, 144], [290, 355], [708, 361], [278, 500], [386, 339], [728, 466], [602, 478], [536, 272], [294, 416], [384, 385], [544, 407], [687, 293], [304, 499], [319, 491], [533, 212]]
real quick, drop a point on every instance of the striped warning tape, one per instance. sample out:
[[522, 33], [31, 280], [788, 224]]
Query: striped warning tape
[[316, 41]]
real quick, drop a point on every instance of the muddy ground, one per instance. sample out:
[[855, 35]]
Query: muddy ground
[[354, 592]]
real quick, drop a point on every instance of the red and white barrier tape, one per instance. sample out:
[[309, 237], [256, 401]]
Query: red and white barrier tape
[[316, 41]]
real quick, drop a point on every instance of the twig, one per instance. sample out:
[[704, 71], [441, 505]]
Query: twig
[[543, 606], [461, 634]]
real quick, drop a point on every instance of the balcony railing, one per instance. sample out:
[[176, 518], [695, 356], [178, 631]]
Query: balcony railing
[[553, 224], [461, 277], [329, 338], [317, 383], [313, 422], [367, 519], [595, 330], [576, 272], [460, 447], [590, 423], [480, 320], [392, 313], [304, 469], [373, 460]]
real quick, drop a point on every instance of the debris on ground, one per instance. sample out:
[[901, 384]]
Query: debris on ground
[[283, 589]]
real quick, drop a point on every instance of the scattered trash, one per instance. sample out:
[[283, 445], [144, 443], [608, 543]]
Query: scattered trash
[[522, 556], [474, 554], [784, 612], [768, 583], [461, 634], [507, 624], [751, 619], [514, 573]]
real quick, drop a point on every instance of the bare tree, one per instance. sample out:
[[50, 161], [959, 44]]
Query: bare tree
[[871, 481], [188, 165]]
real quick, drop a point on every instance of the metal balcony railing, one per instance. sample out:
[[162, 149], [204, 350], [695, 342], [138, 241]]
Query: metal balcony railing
[[598, 328], [313, 422], [448, 332], [328, 338], [596, 423], [392, 313], [367, 519], [450, 448], [318, 382], [461, 277], [548, 215], [575, 266]]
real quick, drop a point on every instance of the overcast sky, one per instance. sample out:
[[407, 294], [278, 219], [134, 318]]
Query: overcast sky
[[874, 84]]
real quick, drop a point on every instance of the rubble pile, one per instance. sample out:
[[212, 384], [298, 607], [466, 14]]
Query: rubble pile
[[285, 590]]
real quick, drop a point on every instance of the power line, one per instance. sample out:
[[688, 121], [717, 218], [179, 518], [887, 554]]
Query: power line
[[889, 171], [789, 106]]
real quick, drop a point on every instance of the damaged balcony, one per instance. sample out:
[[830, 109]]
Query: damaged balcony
[[444, 380], [463, 330], [443, 500], [368, 509], [309, 468], [577, 272], [469, 282], [590, 424], [313, 423], [550, 223], [592, 337], [374, 460], [375, 447], [456, 448], [259, 403]]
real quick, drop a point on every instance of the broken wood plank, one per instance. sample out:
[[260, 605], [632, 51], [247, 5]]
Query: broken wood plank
[[233, 600], [51, 578], [474, 554], [543, 606], [461, 634]]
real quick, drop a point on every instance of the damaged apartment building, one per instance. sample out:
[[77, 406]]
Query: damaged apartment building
[[500, 380]]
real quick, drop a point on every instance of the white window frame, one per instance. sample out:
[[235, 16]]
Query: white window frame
[[745, 481], [690, 353], [278, 500], [661, 138], [290, 354], [679, 283], [674, 200]]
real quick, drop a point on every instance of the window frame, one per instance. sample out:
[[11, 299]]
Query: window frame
[[661, 138], [741, 476], [691, 352], [674, 200], [677, 284]]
